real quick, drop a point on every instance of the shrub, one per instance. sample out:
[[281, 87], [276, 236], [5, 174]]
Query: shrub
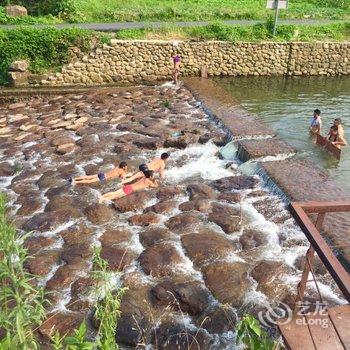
[[44, 48]]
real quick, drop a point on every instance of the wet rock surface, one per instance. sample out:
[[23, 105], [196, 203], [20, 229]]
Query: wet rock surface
[[190, 249]]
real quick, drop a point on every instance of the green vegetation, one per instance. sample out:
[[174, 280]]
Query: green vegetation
[[250, 334], [259, 32], [172, 10], [46, 49], [22, 304]]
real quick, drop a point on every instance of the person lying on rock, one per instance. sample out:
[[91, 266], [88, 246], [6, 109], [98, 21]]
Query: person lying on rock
[[146, 182], [117, 172], [157, 165]]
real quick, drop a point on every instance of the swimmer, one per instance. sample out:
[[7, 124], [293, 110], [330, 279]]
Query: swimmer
[[119, 172], [338, 122], [316, 123], [157, 165], [146, 182]]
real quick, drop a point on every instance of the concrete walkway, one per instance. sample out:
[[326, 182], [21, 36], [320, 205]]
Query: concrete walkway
[[111, 27]]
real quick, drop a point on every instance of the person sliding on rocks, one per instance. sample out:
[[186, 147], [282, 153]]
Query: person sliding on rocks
[[157, 165], [146, 182], [119, 172]]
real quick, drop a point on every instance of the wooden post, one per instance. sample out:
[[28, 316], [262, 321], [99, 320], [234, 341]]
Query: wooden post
[[308, 265]]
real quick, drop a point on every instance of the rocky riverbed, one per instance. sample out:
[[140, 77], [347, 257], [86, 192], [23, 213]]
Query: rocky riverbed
[[207, 246]]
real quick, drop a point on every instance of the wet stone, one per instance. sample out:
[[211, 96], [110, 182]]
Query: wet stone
[[154, 235], [160, 260], [228, 218], [75, 253], [200, 191], [175, 336], [134, 201], [169, 192], [231, 197], [7, 169], [206, 246], [238, 182], [41, 263], [64, 323], [218, 321], [76, 234], [183, 222], [99, 213], [162, 207], [29, 206], [251, 239], [115, 236], [227, 281], [191, 296], [35, 243], [202, 205], [117, 258], [146, 219]]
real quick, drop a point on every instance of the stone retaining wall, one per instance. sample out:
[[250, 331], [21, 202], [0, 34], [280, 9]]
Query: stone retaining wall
[[136, 61]]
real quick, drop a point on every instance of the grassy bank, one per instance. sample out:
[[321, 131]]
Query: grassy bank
[[173, 10], [256, 33], [45, 49]]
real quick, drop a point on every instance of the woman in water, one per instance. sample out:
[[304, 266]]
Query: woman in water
[[334, 137]]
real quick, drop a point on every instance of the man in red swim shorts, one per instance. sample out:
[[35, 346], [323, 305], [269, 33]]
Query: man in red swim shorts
[[146, 182]]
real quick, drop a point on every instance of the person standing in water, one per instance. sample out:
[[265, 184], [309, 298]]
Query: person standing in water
[[176, 69], [316, 123], [338, 122], [335, 137]]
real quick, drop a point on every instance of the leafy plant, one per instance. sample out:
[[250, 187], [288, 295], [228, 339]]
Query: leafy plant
[[166, 104], [21, 304], [250, 334]]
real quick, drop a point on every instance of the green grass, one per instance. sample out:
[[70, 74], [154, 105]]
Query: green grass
[[256, 33], [175, 10]]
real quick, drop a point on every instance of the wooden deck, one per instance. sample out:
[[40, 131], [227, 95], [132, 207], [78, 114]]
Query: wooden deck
[[317, 332], [329, 328]]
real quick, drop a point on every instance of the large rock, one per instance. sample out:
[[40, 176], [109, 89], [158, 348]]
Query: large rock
[[206, 247], [7, 169], [231, 197], [202, 205], [191, 296], [63, 323], [29, 206], [118, 258], [184, 222], [251, 239], [134, 201], [228, 218], [145, 219], [160, 260], [162, 207], [35, 243], [115, 236], [19, 66], [42, 263], [76, 253], [269, 275], [154, 235], [76, 234], [169, 192], [227, 281], [238, 182], [200, 191], [181, 142], [176, 336], [99, 213], [220, 320]]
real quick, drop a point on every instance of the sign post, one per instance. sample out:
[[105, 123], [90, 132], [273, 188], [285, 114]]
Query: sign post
[[276, 5]]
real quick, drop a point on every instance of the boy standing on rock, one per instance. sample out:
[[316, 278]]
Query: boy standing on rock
[[146, 182], [157, 165], [119, 172]]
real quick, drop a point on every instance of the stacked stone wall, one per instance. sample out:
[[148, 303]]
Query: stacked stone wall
[[137, 61]]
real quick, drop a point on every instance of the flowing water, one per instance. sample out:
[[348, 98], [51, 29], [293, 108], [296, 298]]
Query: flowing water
[[287, 104], [261, 210]]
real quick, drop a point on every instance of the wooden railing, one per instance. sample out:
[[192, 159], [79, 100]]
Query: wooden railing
[[300, 211]]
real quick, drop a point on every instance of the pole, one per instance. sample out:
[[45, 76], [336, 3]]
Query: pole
[[276, 17]]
